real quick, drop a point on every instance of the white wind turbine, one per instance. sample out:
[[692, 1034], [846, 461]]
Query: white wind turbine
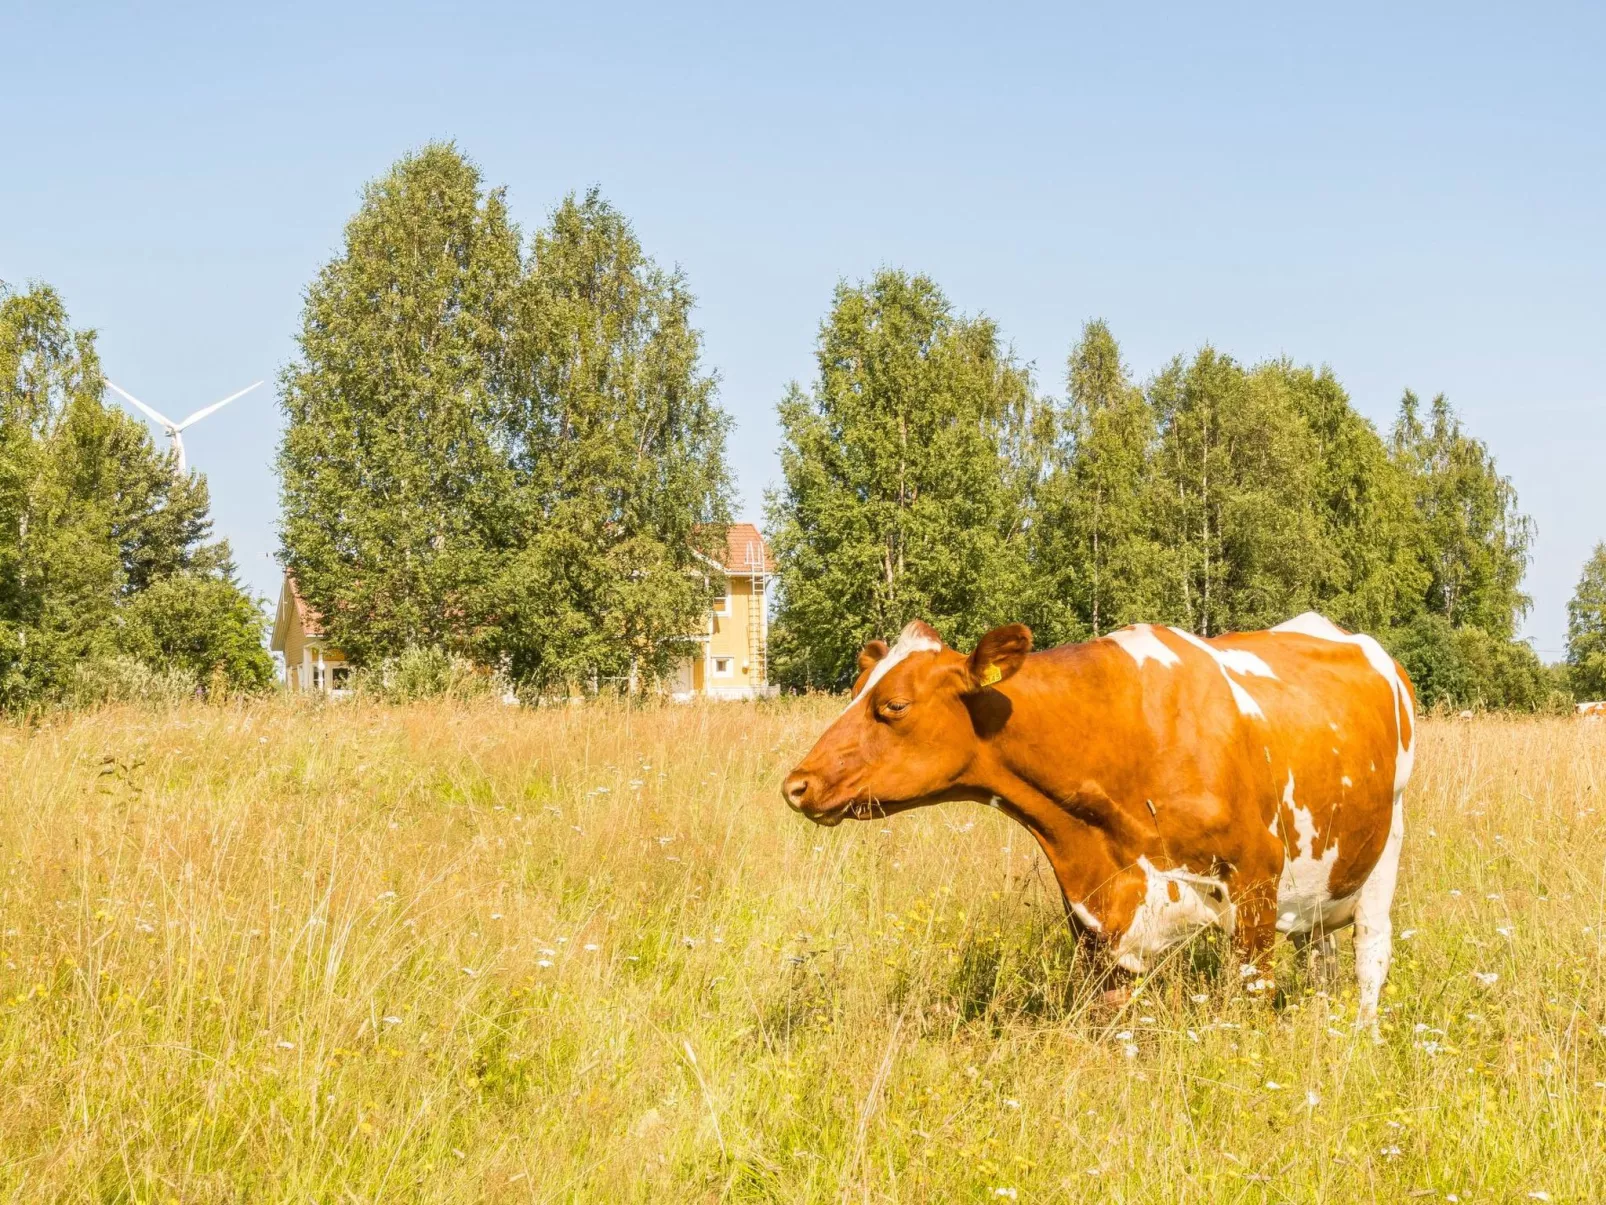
[[173, 428]]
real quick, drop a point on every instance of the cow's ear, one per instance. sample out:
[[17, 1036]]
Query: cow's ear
[[998, 655], [871, 653], [869, 657]]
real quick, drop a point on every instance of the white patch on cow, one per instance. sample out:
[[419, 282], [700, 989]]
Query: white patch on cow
[[1346, 781], [1161, 922], [994, 802], [1304, 901], [1087, 918], [1374, 930], [1141, 644], [1312, 624], [910, 640], [1239, 662]]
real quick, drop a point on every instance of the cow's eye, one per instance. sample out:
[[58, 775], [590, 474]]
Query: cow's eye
[[894, 708]]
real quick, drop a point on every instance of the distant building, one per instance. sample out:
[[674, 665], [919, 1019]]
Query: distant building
[[310, 662], [732, 661], [733, 657]]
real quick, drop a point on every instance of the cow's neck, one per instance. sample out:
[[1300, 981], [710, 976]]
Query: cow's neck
[[1051, 766]]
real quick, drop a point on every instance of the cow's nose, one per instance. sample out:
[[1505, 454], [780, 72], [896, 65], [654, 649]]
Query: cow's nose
[[796, 789]]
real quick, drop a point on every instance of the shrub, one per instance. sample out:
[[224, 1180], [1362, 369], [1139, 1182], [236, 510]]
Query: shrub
[[125, 679], [1468, 667], [421, 672]]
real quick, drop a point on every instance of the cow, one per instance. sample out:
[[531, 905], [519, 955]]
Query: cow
[[1591, 711], [1251, 782]]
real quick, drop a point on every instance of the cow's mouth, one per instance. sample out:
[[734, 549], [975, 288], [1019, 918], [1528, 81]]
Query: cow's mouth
[[855, 808]]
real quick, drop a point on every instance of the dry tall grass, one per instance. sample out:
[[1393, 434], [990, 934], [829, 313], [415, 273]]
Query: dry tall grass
[[470, 953]]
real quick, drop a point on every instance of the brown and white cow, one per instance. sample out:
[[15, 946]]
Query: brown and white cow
[[1251, 782]]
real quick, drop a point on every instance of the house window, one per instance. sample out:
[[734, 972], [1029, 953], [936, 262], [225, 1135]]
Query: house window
[[722, 604], [317, 677], [722, 666], [340, 677]]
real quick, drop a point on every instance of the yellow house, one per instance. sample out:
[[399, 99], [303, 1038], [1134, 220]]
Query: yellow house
[[733, 657], [310, 663]]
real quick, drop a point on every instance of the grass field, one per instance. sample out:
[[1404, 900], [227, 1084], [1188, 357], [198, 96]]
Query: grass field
[[288, 953]]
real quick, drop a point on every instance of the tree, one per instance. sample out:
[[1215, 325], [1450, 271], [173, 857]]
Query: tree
[[1094, 547], [1369, 575], [618, 447], [1236, 493], [514, 459], [1586, 629], [1474, 539], [397, 497], [906, 479], [100, 537]]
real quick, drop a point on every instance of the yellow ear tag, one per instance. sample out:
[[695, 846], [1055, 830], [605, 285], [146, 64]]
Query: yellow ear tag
[[992, 674]]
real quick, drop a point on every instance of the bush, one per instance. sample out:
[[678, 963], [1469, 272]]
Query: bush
[[125, 679], [1467, 667], [205, 625], [426, 673]]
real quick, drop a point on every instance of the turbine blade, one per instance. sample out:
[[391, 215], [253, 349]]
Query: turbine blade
[[129, 397], [215, 406]]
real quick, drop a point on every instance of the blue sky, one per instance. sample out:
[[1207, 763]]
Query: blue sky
[[1415, 198]]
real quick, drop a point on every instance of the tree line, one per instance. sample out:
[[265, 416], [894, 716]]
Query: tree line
[[111, 584], [925, 477], [507, 451]]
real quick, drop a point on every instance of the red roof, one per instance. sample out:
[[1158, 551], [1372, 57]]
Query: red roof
[[311, 621], [746, 551]]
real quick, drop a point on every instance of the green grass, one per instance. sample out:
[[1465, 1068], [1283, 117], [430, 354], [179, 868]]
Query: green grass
[[289, 953]]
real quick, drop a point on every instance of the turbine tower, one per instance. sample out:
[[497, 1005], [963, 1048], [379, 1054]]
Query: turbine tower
[[169, 425]]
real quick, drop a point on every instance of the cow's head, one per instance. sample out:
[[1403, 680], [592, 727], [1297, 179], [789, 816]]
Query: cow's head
[[918, 713]]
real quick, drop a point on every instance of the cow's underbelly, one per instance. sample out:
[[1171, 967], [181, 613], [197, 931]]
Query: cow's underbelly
[[1176, 905]]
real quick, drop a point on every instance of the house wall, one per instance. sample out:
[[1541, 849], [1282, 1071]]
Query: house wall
[[297, 646], [729, 639]]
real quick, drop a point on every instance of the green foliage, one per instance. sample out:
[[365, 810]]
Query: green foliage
[[396, 496], [425, 673], [1586, 629], [1468, 667], [104, 549], [908, 473], [514, 460], [201, 624], [1475, 540], [619, 449], [1217, 498], [1099, 561], [121, 678]]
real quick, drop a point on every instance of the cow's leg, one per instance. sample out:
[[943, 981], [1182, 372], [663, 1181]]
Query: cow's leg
[[1321, 955], [1374, 932]]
